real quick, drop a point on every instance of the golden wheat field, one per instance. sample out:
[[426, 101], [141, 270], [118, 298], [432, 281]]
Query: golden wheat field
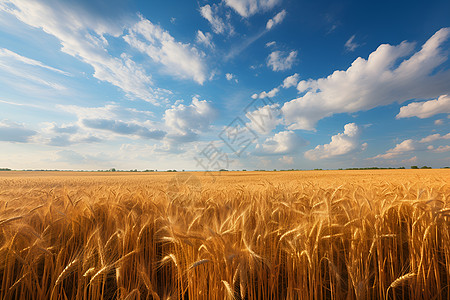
[[381, 234]]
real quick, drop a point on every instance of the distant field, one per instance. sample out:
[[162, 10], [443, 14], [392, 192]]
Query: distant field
[[372, 234]]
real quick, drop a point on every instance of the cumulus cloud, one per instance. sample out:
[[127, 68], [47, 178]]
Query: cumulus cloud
[[341, 143], [442, 149], [351, 45], [279, 17], [399, 149], [205, 39], [425, 109], [435, 137], [410, 160], [409, 145], [247, 8], [14, 132], [380, 80], [439, 122], [65, 135], [211, 13], [187, 121], [288, 160], [290, 81], [272, 93], [178, 59], [284, 142], [82, 35], [270, 44], [280, 61], [230, 77], [264, 119]]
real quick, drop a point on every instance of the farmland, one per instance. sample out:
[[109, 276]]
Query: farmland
[[380, 234]]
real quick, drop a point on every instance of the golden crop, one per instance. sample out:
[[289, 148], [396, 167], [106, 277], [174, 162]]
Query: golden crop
[[238, 235]]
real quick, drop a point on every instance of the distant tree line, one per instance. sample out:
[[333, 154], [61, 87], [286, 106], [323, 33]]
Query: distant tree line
[[5, 169], [375, 168]]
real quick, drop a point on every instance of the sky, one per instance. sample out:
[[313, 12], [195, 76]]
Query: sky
[[231, 84]]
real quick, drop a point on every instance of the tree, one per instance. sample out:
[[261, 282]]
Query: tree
[[414, 167]]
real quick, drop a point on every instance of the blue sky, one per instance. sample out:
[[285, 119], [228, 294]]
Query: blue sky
[[232, 84]]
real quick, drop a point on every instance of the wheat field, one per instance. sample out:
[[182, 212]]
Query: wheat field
[[381, 234]]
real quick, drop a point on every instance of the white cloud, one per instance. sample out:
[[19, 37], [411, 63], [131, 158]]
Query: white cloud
[[110, 111], [435, 137], [264, 119], [399, 149], [83, 35], [439, 122], [230, 77], [413, 145], [187, 121], [290, 81], [288, 160], [205, 39], [410, 160], [30, 76], [279, 17], [379, 80], [210, 13], [430, 138], [14, 132], [12, 55], [272, 93], [284, 142], [124, 128], [280, 61], [64, 135], [247, 8], [425, 109], [95, 122], [442, 149], [178, 59], [270, 44], [341, 143], [350, 44], [406, 145]]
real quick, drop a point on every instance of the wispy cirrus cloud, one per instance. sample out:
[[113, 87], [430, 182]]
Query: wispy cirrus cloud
[[351, 45], [85, 37], [277, 19], [5, 53]]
